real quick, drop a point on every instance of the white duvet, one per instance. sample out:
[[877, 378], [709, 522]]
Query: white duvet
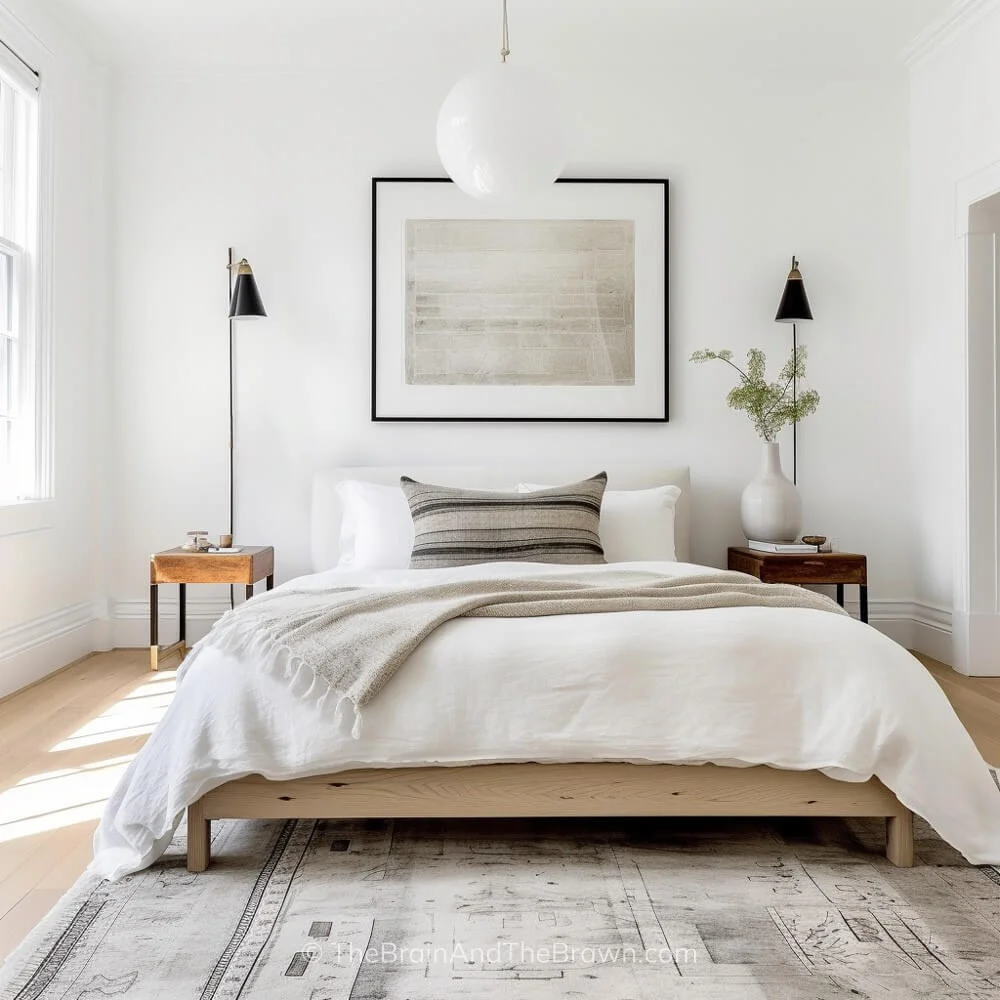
[[791, 688]]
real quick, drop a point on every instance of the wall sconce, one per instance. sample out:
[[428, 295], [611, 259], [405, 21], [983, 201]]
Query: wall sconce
[[244, 303], [794, 309]]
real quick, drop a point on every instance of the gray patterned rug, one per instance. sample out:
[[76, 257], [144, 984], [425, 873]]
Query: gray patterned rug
[[616, 910]]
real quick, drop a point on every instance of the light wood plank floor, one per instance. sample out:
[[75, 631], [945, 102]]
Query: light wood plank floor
[[65, 741]]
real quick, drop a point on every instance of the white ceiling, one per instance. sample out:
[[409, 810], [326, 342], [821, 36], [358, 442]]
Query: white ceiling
[[220, 34]]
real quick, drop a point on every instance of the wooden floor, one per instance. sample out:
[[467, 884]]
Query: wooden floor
[[65, 742]]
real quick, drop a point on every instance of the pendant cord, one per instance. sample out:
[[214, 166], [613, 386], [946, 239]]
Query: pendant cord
[[232, 420], [504, 36]]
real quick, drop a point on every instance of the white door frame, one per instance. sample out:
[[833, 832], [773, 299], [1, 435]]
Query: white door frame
[[976, 617]]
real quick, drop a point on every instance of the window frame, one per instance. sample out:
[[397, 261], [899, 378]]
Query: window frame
[[18, 369], [30, 507]]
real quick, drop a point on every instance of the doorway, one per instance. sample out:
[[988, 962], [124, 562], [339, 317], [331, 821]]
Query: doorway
[[977, 633]]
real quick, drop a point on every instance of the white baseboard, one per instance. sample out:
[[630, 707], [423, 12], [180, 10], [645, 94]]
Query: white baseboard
[[932, 633], [37, 648], [920, 627], [130, 621], [34, 649], [915, 626], [977, 644]]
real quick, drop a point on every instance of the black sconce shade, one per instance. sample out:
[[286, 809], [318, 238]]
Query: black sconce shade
[[246, 302], [794, 305]]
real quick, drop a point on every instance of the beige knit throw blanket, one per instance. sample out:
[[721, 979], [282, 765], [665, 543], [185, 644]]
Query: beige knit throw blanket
[[349, 641]]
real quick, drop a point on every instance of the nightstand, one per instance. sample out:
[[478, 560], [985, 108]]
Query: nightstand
[[838, 568], [250, 564]]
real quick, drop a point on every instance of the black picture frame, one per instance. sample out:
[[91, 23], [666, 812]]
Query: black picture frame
[[658, 419]]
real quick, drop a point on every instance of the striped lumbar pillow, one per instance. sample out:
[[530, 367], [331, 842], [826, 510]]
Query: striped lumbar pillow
[[453, 527]]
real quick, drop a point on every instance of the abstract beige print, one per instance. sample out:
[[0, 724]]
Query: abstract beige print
[[520, 302]]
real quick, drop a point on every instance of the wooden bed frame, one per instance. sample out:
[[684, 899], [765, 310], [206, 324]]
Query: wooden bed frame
[[549, 790], [543, 790]]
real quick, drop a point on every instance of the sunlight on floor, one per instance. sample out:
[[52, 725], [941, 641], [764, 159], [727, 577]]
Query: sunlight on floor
[[135, 715], [58, 798], [70, 795]]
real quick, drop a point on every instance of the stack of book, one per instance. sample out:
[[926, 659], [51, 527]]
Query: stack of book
[[787, 548]]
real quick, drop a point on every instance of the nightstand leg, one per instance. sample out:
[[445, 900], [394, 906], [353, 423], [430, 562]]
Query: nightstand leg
[[154, 627], [840, 594], [270, 582], [182, 620], [249, 591], [864, 603]]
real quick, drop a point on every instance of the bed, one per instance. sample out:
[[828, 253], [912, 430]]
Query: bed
[[743, 712]]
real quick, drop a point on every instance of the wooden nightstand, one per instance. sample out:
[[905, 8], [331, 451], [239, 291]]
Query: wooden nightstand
[[252, 563], [822, 568]]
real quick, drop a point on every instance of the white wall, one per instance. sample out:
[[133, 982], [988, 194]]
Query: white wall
[[954, 111], [278, 164], [52, 580]]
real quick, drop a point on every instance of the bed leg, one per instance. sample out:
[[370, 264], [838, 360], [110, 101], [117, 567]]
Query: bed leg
[[899, 839], [199, 838]]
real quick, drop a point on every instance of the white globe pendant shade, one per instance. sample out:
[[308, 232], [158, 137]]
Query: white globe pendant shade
[[500, 132]]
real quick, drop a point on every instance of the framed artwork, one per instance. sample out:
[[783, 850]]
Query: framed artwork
[[551, 308]]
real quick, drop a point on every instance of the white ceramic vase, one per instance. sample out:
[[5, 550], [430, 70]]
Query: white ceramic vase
[[771, 507]]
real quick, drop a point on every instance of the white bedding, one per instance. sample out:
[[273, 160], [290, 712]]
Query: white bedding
[[792, 688]]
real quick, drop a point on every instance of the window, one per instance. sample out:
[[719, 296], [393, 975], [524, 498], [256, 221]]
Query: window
[[22, 372]]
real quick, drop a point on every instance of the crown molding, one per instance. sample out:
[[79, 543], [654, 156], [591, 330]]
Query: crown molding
[[10, 18], [959, 15]]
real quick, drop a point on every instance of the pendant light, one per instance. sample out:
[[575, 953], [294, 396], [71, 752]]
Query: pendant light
[[500, 134]]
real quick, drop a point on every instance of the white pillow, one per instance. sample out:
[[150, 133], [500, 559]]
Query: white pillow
[[636, 525], [376, 530]]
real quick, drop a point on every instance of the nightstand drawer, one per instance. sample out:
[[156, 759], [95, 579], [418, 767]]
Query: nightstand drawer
[[821, 568], [806, 568], [248, 566]]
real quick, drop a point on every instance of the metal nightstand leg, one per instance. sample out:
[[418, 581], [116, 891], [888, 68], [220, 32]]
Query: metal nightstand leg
[[250, 586], [154, 626], [182, 619], [863, 589], [840, 594], [155, 652]]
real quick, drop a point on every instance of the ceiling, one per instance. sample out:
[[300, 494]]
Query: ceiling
[[220, 34]]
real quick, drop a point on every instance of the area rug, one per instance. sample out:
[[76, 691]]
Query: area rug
[[616, 910]]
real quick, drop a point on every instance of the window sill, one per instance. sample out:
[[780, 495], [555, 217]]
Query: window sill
[[25, 516]]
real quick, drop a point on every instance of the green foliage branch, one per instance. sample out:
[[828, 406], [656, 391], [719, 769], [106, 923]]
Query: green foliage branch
[[770, 405]]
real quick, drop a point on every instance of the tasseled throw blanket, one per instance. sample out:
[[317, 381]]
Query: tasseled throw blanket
[[349, 641]]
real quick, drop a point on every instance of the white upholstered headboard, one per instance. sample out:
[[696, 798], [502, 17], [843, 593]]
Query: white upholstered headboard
[[326, 512]]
